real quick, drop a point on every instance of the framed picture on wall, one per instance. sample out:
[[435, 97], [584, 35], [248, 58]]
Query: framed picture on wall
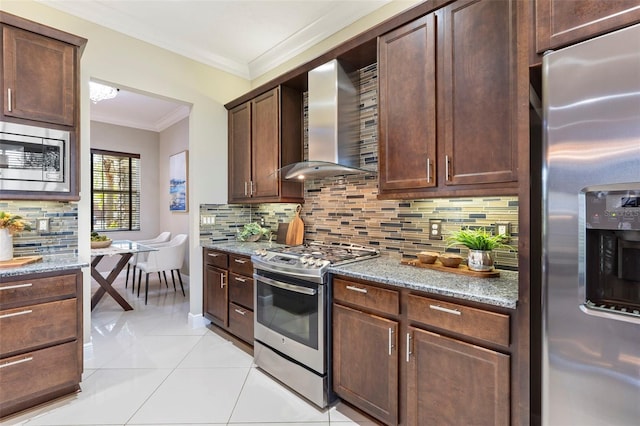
[[178, 182]]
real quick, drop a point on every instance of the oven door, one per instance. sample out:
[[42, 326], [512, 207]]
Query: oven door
[[289, 318]]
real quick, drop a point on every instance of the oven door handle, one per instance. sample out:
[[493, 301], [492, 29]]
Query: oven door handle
[[285, 286]]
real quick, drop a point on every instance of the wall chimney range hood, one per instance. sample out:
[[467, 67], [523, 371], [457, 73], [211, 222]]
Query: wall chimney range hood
[[334, 123]]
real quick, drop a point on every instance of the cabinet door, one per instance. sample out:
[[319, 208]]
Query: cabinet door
[[265, 145], [407, 106], [240, 152], [561, 22], [477, 88], [365, 362], [38, 77], [455, 383], [216, 295]]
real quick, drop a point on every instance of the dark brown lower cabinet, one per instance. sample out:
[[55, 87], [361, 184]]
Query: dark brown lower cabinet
[[406, 358], [40, 338], [228, 292], [216, 299], [451, 382], [365, 362]]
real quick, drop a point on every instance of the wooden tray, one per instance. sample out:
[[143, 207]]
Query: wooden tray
[[462, 269], [19, 261]]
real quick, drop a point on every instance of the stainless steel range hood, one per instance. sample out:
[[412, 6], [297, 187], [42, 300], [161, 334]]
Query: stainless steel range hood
[[334, 123]]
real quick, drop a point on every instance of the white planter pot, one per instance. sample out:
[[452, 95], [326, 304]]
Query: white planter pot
[[480, 260], [6, 245]]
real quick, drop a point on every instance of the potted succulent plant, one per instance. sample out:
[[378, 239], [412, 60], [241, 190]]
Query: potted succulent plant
[[480, 244]]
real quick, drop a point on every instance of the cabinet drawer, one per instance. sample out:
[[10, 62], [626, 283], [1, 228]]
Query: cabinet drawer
[[472, 322], [241, 290], [35, 374], [366, 296], [240, 265], [34, 326], [241, 322], [216, 258], [27, 292]]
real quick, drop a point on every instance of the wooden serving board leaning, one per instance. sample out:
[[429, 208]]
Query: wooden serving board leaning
[[461, 269]]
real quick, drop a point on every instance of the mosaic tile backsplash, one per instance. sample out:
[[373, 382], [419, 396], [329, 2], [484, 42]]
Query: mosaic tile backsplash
[[62, 238], [347, 209]]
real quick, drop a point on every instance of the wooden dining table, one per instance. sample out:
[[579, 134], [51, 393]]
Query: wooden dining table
[[125, 249]]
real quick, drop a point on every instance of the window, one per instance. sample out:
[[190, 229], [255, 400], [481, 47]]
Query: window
[[115, 191]]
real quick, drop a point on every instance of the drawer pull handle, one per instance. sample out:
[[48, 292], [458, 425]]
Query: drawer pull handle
[[9, 100], [221, 280], [240, 261], [241, 312], [15, 314], [408, 346], [447, 310], [428, 170], [9, 287], [242, 280], [19, 361], [358, 289], [391, 345], [214, 254]]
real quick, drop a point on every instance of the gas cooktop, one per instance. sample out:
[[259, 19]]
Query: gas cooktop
[[310, 260]]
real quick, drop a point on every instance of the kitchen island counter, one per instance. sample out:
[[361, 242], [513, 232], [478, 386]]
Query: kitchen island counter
[[47, 264], [498, 291]]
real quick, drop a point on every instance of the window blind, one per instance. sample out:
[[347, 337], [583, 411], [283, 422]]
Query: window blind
[[115, 191]]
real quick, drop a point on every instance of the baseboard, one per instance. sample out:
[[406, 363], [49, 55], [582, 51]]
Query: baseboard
[[197, 321]]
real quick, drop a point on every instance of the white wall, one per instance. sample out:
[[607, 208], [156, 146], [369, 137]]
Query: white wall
[[174, 139]]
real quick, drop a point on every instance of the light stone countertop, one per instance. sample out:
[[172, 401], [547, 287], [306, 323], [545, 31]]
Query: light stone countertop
[[499, 291], [47, 264]]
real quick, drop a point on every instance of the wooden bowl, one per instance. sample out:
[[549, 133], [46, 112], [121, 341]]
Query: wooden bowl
[[427, 256], [100, 244], [450, 260]]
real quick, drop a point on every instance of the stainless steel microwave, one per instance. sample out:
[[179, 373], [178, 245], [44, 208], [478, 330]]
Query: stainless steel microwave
[[34, 158]]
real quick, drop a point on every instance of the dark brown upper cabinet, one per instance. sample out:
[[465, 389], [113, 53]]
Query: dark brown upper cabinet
[[561, 22], [407, 106], [448, 103], [265, 134], [39, 77], [477, 92]]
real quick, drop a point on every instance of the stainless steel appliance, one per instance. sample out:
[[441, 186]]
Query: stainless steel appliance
[[292, 314], [33, 158], [591, 232]]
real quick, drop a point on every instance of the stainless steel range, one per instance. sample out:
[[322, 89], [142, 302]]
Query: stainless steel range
[[292, 314]]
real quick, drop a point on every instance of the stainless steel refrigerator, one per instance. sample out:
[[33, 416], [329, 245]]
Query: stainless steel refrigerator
[[591, 232]]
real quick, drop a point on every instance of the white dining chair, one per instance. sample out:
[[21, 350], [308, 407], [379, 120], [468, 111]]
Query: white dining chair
[[163, 237], [168, 257]]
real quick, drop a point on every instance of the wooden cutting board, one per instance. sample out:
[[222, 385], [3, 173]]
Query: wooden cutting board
[[295, 233], [19, 261], [281, 235]]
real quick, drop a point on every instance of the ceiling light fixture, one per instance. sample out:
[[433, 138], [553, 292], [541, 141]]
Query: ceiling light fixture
[[99, 92]]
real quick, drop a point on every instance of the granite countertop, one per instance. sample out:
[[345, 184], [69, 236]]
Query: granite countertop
[[47, 264], [500, 291]]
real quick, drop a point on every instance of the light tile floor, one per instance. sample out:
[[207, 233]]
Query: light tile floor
[[149, 367]]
